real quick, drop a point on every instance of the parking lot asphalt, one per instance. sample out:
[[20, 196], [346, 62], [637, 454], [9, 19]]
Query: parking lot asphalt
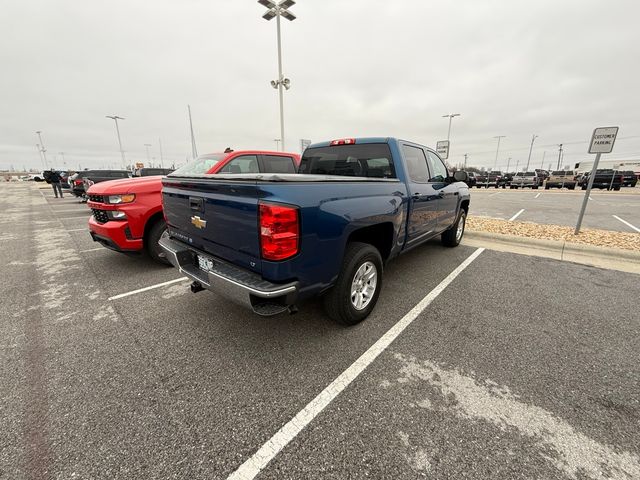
[[557, 207], [522, 367]]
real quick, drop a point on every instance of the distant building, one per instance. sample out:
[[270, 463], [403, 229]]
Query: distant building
[[587, 165]]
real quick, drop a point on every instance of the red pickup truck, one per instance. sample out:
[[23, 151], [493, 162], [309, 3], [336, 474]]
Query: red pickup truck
[[127, 214]]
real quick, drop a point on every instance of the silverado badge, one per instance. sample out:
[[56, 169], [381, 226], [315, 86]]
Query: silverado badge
[[198, 222]]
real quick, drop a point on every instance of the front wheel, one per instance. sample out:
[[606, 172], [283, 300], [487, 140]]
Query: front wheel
[[453, 236], [356, 291], [152, 238]]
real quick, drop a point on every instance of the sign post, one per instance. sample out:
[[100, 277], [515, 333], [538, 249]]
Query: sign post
[[602, 141], [442, 148]]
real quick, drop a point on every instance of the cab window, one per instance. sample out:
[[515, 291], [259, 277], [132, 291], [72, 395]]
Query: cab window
[[416, 164], [242, 164]]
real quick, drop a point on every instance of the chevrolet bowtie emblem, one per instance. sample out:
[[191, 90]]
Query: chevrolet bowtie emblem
[[198, 222]]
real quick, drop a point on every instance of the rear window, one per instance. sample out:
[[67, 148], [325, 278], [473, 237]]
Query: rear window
[[366, 160], [557, 172], [199, 166], [278, 164], [117, 174]]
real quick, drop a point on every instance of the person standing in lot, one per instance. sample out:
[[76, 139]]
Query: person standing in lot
[[55, 180]]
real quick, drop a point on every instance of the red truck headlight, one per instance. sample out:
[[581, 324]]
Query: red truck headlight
[[279, 231]]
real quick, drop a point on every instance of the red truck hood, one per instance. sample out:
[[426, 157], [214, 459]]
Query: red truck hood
[[125, 185]]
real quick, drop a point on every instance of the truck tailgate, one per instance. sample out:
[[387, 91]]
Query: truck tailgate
[[218, 217]]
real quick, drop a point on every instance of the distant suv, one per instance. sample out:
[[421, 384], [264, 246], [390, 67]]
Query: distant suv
[[471, 179], [526, 179], [560, 179], [605, 178], [127, 214], [490, 180]]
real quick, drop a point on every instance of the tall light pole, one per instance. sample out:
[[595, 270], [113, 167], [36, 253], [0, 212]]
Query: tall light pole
[[542, 163], [451, 115], [40, 154], [508, 163], [533, 139], [43, 150], [147, 145], [495, 162], [465, 160], [194, 150], [278, 10], [277, 140], [161, 157], [115, 118]]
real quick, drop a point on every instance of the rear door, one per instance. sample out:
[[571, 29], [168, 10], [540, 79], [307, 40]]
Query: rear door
[[422, 219], [277, 164], [441, 182]]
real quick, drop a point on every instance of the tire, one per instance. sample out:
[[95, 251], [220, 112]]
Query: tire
[[617, 189], [511, 187], [453, 236], [151, 239], [572, 187], [584, 187], [338, 301], [547, 187]]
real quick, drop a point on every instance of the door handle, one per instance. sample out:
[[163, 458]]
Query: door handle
[[196, 204]]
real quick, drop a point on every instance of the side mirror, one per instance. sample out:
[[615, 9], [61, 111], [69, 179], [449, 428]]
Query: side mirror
[[460, 176]]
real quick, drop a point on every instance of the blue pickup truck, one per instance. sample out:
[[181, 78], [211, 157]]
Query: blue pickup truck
[[273, 240]]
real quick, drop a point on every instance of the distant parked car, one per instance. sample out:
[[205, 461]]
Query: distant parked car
[[629, 178], [488, 180], [605, 178], [526, 179], [84, 179], [505, 180], [148, 172], [560, 179], [471, 179]]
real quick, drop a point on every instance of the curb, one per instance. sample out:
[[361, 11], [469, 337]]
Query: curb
[[617, 259]]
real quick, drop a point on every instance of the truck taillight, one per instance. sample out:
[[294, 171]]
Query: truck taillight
[[279, 231]]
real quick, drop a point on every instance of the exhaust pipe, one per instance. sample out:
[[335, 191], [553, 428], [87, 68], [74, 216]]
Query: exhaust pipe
[[196, 287]]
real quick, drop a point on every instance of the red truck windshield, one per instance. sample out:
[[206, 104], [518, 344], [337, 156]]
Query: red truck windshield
[[366, 160], [200, 165]]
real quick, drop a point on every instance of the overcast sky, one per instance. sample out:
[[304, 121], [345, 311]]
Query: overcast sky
[[357, 67]]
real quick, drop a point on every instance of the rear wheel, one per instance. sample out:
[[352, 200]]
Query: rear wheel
[[151, 239], [453, 236], [356, 291]]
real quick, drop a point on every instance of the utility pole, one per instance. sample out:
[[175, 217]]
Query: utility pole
[[508, 163], [161, 157], [277, 140], [44, 150], [194, 150], [115, 118], [465, 160], [517, 162], [495, 162], [533, 139], [542, 163], [560, 155]]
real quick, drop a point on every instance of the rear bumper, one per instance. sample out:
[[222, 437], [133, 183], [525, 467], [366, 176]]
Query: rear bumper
[[114, 235], [240, 285]]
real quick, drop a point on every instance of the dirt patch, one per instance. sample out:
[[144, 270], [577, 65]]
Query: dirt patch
[[588, 236]]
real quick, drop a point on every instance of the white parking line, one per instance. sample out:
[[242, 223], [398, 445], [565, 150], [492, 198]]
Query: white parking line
[[516, 215], [145, 289], [250, 468], [537, 195], [92, 250], [492, 194], [626, 223]]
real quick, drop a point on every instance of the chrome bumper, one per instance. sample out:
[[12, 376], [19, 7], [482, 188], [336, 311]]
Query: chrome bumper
[[242, 286]]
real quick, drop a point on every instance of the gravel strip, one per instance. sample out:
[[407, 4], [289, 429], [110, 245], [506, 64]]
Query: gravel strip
[[600, 238]]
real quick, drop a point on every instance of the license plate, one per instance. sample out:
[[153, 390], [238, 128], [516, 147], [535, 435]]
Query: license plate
[[205, 263]]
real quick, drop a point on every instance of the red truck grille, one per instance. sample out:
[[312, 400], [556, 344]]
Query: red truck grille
[[100, 215], [96, 198]]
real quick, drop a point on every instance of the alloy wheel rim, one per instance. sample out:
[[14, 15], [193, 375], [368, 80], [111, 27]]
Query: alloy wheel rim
[[363, 285], [460, 229]]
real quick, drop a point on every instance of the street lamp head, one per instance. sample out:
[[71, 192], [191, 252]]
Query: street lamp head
[[274, 84], [286, 83], [276, 9]]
